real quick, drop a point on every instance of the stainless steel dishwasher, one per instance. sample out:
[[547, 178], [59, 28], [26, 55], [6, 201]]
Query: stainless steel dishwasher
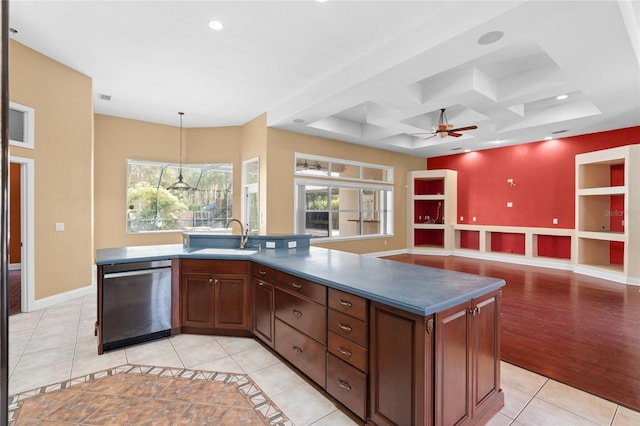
[[136, 303]]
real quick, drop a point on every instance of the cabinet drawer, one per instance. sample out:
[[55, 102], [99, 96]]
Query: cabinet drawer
[[347, 384], [348, 327], [348, 304], [215, 266], [305, 353], [347, 351], [314, 291], [264, 272], [302, 314]]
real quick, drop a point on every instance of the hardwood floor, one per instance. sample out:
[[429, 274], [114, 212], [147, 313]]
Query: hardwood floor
[[576, 329], [14, 292]]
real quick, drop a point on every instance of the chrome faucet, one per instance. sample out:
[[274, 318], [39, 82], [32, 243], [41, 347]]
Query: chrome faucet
[[244, 236]]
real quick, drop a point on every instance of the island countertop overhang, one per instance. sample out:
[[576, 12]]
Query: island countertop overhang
[[417, 289]]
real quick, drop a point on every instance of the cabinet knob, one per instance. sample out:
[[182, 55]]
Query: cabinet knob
[[260, 284], [345, 352], [297, 349], [210, 280], [297, 313], [345, 327], [345, 303], [262, 272], [344, 385], [296, 286]]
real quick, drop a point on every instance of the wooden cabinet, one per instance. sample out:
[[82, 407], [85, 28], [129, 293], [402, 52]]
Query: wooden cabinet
[[263, 292], [214, 295], [348, 350], [301, 324], [401, 367], [467, 381]]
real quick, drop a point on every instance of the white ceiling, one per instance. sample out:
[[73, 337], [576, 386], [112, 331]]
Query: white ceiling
[[366, 72]]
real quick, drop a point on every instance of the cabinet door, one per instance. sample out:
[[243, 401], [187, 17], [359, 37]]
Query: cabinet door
[[401, 367], [197, 299], [231, 301], [453, 366], [263, 310], [486, 352]]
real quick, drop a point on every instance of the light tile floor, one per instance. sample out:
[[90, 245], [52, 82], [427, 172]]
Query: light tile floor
[[57, 343]]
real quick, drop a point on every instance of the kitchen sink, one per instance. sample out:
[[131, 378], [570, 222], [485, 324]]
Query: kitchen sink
[[225, 251]]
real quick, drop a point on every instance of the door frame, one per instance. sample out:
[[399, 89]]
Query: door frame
[[27, 231]]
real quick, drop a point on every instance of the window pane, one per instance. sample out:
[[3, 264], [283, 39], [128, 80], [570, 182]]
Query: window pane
[[152, 207], [16, 125], [307, 166], [316, 197], [252, 172], [345, 170], [371, 173]]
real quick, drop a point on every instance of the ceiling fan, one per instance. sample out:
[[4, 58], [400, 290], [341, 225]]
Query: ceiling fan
[[445, 129]]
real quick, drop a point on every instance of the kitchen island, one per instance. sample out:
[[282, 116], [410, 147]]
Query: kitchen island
[[395, 343]]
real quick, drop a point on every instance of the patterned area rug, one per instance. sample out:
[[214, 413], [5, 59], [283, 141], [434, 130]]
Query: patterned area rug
[[137, 394]]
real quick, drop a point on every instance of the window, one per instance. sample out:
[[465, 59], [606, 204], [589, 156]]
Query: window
[[250, 183], [342, 199], [21, 125], [151, 207]]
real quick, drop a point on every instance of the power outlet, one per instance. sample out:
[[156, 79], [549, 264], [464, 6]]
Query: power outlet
[[555, 220], [292, 244], [270, 244]]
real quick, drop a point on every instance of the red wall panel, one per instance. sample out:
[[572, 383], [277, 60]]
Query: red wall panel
[[543, 174]]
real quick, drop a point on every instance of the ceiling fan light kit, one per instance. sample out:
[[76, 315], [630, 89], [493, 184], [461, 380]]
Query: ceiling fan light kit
[[445, 129]]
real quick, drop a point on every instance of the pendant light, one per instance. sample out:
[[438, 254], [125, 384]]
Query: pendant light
[[180, 185]]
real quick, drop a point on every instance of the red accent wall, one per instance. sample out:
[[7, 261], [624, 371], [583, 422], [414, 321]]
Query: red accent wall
[[543, 174]]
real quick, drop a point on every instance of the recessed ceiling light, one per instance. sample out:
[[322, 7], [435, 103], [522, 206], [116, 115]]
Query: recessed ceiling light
[[13, 30], [562, 97], [104, 97], [548, 138], [216, 25], [467, 150], [490, 37], [298, 120], [559, 131]]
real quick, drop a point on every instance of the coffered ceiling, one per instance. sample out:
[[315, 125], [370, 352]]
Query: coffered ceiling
[[374, 73]]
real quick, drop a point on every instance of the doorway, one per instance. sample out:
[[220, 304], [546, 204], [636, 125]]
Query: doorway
[[21, 247]]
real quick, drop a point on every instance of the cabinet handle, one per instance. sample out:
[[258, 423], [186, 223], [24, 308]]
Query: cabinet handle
[[210, 280], [345, 303], [297, 349], [260, 283], [297, 313], [345, 327], [344, 385], [296, 286], [345, 352], [474, 311], [262, 272]]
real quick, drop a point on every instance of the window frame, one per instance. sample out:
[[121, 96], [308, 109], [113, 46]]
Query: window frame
[[386, 203], [204, 167], [28, 126]]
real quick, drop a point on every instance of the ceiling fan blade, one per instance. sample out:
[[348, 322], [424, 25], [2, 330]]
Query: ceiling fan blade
[[455, 135], [429, 137], [462, 129]]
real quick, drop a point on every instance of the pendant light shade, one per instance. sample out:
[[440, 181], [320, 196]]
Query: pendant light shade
[[180, 185]]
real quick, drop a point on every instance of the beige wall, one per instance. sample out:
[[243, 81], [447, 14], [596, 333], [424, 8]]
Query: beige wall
[[281, 148], [119, 139], [63, 160]]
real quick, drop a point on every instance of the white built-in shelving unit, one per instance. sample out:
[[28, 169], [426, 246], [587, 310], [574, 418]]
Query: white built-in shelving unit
[[431, 209], [608, 214]]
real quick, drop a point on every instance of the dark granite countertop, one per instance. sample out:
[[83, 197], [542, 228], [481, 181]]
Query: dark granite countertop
[[413, 288]]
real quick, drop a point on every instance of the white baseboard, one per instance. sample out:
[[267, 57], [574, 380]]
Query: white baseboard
[[385, 253], [62, 297]]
